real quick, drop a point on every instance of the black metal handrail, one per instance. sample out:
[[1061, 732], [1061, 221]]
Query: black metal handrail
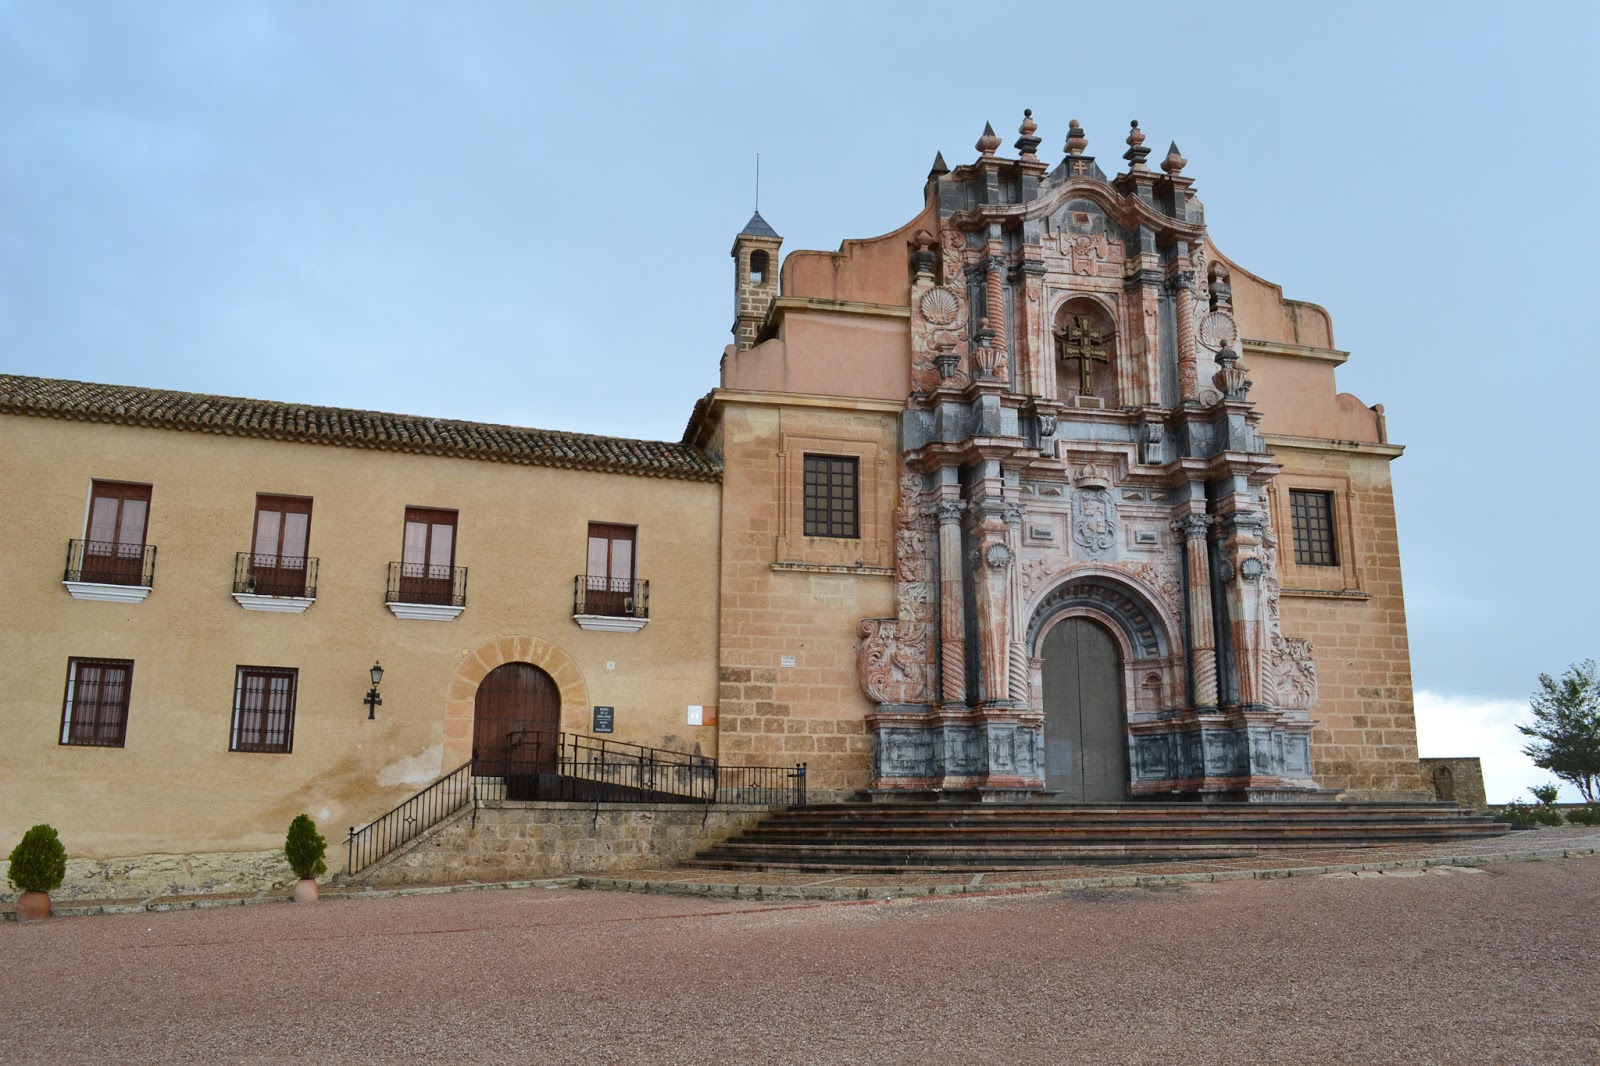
[[566, 766], [610, 597], [105, 562], [275, 575], [421, 812], [444, 586]]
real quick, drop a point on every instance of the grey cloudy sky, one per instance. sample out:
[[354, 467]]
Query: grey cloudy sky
[[521, 213]]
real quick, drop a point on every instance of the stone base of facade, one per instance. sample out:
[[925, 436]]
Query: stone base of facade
[[1255, 754], [146, 876], [518, 841]]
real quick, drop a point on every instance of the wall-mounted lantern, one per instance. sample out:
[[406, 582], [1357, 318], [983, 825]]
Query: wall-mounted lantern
[[373, 700]]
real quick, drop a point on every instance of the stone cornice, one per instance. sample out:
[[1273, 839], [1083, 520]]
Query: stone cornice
[[1323, 444], [1295, 351]]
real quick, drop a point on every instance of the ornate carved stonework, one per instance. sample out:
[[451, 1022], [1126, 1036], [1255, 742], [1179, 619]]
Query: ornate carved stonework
[[895, 657], [892, 660], [1094, 523], [940, 306]]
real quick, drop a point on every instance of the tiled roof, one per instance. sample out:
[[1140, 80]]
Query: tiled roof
[[231, 415]]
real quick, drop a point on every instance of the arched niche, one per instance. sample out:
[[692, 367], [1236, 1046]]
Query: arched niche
[[1085, 332]]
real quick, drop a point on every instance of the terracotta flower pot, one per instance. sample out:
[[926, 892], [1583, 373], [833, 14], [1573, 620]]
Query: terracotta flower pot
[[305, 890], [33, 906]]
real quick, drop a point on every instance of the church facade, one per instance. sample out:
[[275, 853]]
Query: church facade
[[1037, 496]]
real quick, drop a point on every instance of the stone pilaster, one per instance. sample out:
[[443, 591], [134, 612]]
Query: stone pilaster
[[994, 605], [1241, 573]]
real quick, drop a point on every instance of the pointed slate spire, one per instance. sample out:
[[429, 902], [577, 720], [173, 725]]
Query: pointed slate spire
[[939, 169], [757, 227], [1174, 163]]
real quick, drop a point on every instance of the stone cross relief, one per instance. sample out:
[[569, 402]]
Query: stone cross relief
[[1083, 343]]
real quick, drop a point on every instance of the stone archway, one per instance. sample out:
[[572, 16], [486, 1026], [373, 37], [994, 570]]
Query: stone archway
[[1095, 643], [476, 664]]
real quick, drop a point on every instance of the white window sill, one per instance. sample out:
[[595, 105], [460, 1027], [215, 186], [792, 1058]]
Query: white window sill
[[250, 601], [425, 612], [605, 623], [93, 590]]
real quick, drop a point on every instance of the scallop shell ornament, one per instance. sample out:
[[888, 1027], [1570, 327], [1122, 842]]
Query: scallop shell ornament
[[1217, 330], [939, 307]]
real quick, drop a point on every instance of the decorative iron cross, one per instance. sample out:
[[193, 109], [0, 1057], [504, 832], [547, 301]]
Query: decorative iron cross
[[1083, 344]]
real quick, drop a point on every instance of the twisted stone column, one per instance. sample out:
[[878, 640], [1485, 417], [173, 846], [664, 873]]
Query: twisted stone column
[[1188, 366], [1202, 628], [952, 606]]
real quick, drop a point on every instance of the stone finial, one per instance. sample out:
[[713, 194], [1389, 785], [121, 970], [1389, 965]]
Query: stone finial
[[1028, 144], [1137, 152], [1076, 141], [1231, 379], [939, 169], [1174, 163], [989, 141]]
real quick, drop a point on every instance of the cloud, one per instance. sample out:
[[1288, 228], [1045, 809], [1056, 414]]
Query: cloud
[[1462, 726]]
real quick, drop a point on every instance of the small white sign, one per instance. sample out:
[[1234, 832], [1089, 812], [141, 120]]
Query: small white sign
[[786, 662], [695, 715]]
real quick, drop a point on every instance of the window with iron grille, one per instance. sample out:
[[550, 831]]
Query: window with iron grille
[[263, 709], [1311, 514], [831, 507], [95, 710]]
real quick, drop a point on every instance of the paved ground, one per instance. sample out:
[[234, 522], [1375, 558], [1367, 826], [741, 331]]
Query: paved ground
[[1439, 965]]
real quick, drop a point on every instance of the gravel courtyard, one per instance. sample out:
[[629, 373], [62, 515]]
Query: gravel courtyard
[[1453, 966]]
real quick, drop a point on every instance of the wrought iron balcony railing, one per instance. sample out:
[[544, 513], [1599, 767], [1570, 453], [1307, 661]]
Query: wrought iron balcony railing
[[275, 575], [610, 597], [444, 586], [105, 562]]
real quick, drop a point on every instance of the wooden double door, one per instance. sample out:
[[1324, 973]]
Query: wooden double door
[[516, 719], [1085, 731]]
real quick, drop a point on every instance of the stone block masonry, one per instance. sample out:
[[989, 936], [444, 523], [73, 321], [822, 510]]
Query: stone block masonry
[[518, 841]]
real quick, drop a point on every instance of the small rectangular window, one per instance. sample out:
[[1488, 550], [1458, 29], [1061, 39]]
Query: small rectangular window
[[1311, 514], [95, 710], [831, 505], [263, 709]]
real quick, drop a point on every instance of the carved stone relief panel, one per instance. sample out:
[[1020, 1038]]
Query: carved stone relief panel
[[1094, 525]]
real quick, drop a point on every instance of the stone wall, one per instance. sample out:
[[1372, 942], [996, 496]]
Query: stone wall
[[145, 876], [791, 604], [518, 841], [1456, 780], [1354, 614]]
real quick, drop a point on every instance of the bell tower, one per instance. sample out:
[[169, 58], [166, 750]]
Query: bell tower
[[755, 279]]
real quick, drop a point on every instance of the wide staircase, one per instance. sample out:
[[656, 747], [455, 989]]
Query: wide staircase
[[911, 837]]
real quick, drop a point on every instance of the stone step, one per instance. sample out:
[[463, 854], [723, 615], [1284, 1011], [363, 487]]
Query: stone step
[[835, 837]]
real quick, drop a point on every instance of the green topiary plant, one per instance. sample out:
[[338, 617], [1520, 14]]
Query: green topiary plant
[[39, 863], [304, 848]]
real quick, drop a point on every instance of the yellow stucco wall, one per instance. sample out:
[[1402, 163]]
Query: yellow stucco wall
[[174, 785]]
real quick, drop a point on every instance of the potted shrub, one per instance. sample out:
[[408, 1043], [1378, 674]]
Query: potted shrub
[[38, 865], [304, 849]]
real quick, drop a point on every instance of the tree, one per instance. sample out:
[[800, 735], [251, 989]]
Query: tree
[[1566, 727]]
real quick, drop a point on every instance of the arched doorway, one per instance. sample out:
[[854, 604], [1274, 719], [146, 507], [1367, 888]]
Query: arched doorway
[[1085, 742], [516, 698]]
